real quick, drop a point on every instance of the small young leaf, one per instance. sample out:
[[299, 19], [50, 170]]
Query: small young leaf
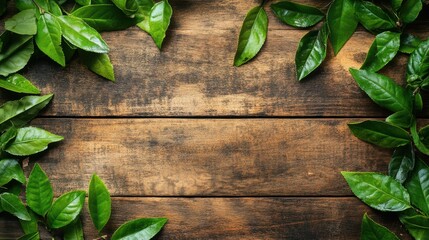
[[30, 236], [19, 84], [9, 170], [311, 52], [378, 191], [402, 163], [409, 43], [144, 228], [48, 38], [16, 53], [342, 22], [373, 18], [99, 203], [252, 35], [410, 10], [39, 191], [74, 230], [30, 226], [23, 23], [7, 137], [418, 186], [380, 133], [370, 230], [297, 15], [382, 51], [81, 35], [418, 64], [31, 140], [12, 204], [159, 20], [416, 224], [129, 7], [99, 63], [402, 119], [396, 4], [65, 209]]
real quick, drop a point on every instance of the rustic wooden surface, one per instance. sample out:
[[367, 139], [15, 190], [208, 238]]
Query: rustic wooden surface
[[223, 152]]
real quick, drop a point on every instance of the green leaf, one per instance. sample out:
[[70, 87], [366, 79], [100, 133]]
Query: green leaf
[[65, 209], [143, 228], [342, 22], [99, 63], [74, 230], [99, 203], [424, 135], [16, 52], [311, 52], [410, 10], [252, 35], [13, 205], [144, 7], [30, 226], [22, 5], [402, 163], [54, 8], [382, 51], [409, 43], [378, 191], [129, 7], [13, 187], [297, 15], [7, 137], [417, 141], [104, 17], [31, 140], [9, 170], [23, 23], [370, 230], [373, 18], [383, 90], [416, 224], [159, 20], [81, 35], [402, 119], [396, 4], [19, 84], [418, 186], [20, 112], [380, 133], [418, 103], [48, 38], [83, 2], [418, 64], [30, 236], [39, 191]]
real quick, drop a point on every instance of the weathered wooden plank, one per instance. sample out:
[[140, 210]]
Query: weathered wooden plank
[[200, 157], [241, 218]]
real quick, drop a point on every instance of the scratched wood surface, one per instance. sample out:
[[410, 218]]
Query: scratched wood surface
[[223, 152]]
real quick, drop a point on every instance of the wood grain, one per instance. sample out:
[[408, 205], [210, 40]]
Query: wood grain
[[241, 218]]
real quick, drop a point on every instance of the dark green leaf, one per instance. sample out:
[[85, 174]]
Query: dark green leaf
[[65, 209], [30, 226], [81, 35], [252, 35], [311, 52], [31, 140], [13, 205], [10, 169], [370, 230], [3, 7], [424, 135], [48, 38], [99, 63], [39, 191], [382, 51], [418, 64], [396, 4], [159, 20], [380, 133], [418, 103], [297, 15], [7, 137], [104, 17], [22, 5], [410, 10], [20, 112], [129, 7], [16, 52], [402, 119], [383, 90], [409, 43], [418, 187], [23, 23], [18, 83], [74, 230], [83, 2], [13, 187], [374, 18], [402, 163], [378, 191], [99, 203], [144, 228], [30, 236], [416, 139], [342, 22], [416, 224]]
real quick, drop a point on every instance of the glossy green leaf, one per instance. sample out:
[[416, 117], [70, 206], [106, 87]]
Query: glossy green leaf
[[418, 187], [380, 133], [98, 63], [159, 20], [18, 83], [39, 191], [418, 64], [23, 23], [31, 140], [99, 202], [417, 141], [30, 226], [48, 38], [396, 4], [74, 230], [311, 52], [402, 119], [342, 22], [378, 191], [20, 112], [104, 17], [409, 43], [12, 204], [370, 230], [402, 163], [9, 170], [65, 209], [129, 7], [81, 35], [416, 224], [144, 228], [30, 236], [297, 15], [144, 7], [382, 51], [374, 18], [16, 52], [7, 137], [410, 10], [383, 90], [54, 8], [252, 35]]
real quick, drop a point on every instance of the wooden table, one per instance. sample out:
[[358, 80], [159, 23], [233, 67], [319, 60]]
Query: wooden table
[[223, 152]]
